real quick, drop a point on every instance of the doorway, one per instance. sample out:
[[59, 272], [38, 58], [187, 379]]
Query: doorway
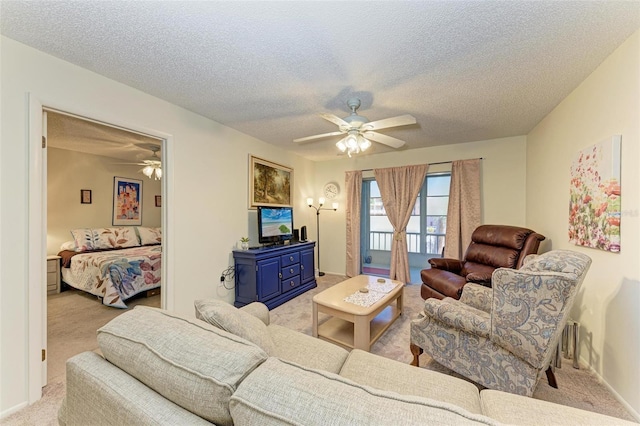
[[37, 250], [84, 157]]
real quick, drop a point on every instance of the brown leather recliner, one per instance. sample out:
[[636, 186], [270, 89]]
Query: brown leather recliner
[[492, 246]]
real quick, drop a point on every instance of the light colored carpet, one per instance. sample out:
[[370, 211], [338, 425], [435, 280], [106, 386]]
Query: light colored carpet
[[74, 318]]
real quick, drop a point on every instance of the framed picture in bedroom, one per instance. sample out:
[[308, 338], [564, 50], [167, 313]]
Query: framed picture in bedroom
[[85, 196], [270, 183], [127, 201]]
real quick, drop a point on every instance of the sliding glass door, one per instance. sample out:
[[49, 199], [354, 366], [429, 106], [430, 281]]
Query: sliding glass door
[[425, 231]]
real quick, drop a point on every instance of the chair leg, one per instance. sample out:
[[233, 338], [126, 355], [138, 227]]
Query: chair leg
[[416, 351], [551, 378]]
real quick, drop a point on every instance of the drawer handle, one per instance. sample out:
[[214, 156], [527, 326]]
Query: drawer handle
[[292, 284], [291, 270], [291, 258], [302, 267], [280, 275]]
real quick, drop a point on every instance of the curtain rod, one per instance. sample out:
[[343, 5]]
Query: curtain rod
[[432, 164]]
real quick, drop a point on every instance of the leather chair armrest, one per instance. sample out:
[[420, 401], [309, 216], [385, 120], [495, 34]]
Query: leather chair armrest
[[258, 310], [451, 265], [477, 296], [479, 278]]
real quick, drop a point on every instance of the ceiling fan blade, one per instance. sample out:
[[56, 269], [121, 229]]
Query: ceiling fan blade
[[384, 139], [310, 138], [401, 120], [334, 119]]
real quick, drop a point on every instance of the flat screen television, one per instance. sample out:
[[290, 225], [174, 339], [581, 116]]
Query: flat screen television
[[275, 224]]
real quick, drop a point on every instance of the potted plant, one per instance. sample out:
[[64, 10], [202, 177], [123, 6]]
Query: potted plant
[[244, 243]]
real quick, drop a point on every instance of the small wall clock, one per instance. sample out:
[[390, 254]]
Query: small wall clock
[[331, 190]]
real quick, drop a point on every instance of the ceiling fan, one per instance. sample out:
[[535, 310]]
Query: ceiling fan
[[358, 130], [152, 164]]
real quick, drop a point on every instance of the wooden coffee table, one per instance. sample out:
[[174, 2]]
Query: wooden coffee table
[[351, 325]]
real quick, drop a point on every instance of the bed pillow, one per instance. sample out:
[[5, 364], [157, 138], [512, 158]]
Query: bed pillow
[[83, 239], [68, 245], [149, 236], [112, 238], [235, 321]]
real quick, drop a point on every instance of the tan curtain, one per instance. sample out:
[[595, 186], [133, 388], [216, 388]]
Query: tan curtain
[[353, 187], [399, 188], [464, 214]]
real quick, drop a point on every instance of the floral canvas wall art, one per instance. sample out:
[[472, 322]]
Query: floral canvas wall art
[[594, 206], [127, 201]]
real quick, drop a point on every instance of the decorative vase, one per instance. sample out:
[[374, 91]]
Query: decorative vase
[[244, 245]]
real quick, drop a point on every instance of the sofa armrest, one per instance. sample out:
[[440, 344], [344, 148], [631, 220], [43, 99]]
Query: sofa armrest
[[477, 296], [258, 310], [115, 397], [457, 315], [451, 265]]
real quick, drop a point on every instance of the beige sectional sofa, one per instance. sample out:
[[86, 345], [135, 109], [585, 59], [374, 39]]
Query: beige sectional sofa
[[234, 367]]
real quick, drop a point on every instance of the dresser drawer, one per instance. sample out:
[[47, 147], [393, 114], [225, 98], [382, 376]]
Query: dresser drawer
[[52, 265], [289, 259], [290, 283], [52, 278], [290, 271]]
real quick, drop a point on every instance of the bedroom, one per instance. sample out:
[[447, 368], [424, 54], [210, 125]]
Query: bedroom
[[209, 186], [84, 158]]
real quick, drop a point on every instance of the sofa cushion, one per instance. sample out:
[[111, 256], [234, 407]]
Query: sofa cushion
[[521, 410], [279, 393], [306, 350], [390, 375], [229, 318], [190, 362]]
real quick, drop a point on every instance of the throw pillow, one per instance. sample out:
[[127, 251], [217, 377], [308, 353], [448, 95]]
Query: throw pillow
[[111, 238], [149, 236], [83, 239], [229, 318]]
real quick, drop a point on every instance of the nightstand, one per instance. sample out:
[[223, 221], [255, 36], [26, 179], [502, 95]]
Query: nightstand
[[53, 274]]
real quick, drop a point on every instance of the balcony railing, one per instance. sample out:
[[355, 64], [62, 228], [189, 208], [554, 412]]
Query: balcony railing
[[433, 243]]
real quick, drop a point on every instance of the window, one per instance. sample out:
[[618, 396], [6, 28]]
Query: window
[[425, 230]]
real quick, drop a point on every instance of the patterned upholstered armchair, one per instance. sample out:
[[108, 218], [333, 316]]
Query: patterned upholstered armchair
[[504, 337]]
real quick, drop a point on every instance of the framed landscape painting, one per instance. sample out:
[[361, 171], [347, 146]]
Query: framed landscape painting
[[270, 183], [594, 203], [127, 201]]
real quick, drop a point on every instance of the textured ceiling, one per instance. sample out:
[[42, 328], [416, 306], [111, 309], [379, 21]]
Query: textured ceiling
[[467, 70]]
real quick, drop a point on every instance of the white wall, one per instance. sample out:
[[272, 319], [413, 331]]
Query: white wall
[[70, 171], [209, 174], [503, 186], [608, 306]]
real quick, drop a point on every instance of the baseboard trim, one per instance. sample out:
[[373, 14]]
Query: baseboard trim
[[14, 409], [615, 394]]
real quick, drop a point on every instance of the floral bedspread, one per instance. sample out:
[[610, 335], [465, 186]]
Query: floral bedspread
[[116, 275]]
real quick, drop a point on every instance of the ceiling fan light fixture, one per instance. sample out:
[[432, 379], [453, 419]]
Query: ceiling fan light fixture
[[341, 145], [363, 143], [351, 141], [147, 171]]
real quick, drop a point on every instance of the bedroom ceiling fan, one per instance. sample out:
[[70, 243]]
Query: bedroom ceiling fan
[[153, 164], [359, 130]]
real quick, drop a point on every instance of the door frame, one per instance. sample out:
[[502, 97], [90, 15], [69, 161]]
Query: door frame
[[37, 222]]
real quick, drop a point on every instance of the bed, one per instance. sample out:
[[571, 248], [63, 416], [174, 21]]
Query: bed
[[108, 270]]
